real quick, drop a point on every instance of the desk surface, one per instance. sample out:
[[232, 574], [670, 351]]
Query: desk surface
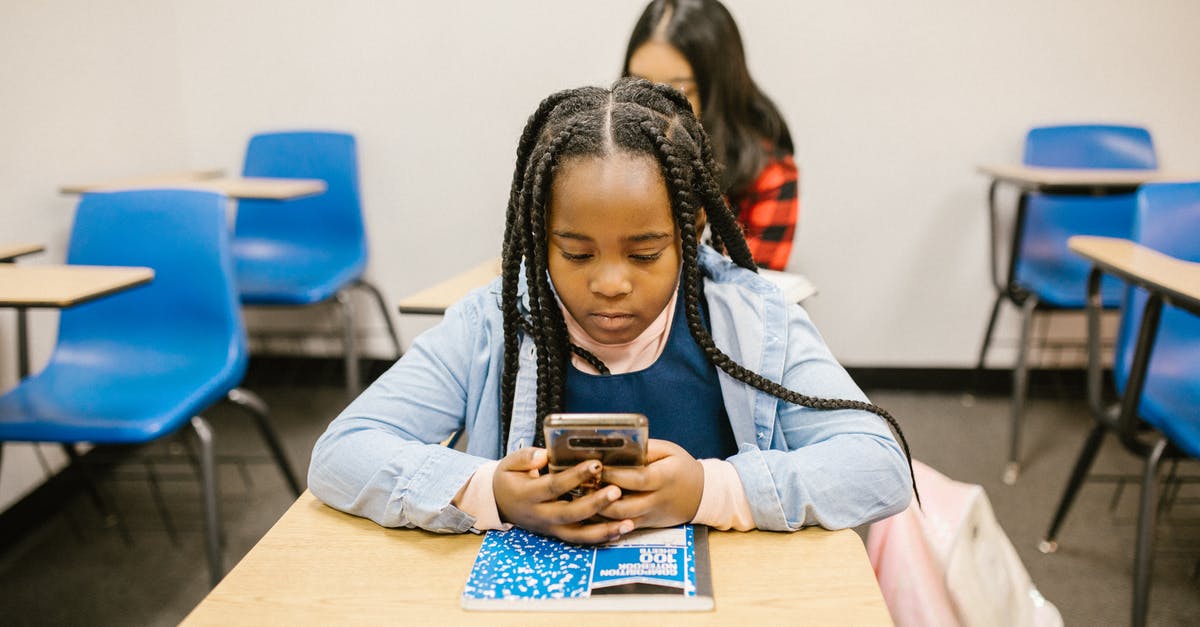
[[1179, 280], [180, 177], [8, 252], [434, 300], [211, 180], [1082, 178], [64, 285], [319, 566]]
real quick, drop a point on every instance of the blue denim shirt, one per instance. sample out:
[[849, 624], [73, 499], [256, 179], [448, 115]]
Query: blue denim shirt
[[381, 458]]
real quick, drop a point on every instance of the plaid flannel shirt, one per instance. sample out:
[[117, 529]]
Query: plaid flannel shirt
[[768, 211]]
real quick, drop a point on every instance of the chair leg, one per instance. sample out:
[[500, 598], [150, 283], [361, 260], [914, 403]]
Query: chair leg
[[350, 350], [208, 476], [1143, 556], [1020, 391], [258, 409], [987, 342], [383, 310], [1087, 456]]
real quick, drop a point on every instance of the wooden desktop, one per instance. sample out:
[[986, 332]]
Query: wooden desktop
[[319, 566], [209, 180]]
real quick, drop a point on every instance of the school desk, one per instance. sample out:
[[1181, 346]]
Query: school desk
[[318, 566], [1176, 280], [1091, 181], [1079, 180], [210, 180], [10, 252], [59, 286], [434, 300], [1168, 280]]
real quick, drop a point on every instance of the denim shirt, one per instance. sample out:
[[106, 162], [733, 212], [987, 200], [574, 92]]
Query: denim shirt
[[381, 458]]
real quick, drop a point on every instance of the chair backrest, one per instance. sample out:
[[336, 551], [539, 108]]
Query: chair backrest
[[1043, 262], [190, 309], [333, 218], [1090, 146], [1168, 220]]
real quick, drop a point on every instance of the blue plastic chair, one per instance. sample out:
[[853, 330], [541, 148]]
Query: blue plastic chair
[[1159, 385], [1042, 273], [139, 365], [308, 250]]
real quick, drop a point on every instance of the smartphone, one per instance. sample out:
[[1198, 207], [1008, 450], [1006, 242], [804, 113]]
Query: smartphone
[[614, 439]]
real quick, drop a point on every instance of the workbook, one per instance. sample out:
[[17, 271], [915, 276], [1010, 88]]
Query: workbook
[[647, 570]]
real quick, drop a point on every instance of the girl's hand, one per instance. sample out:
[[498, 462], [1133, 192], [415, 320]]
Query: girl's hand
[[529, 499], [663, 493]]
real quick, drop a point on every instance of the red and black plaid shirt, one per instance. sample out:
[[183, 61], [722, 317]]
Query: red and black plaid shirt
[[768, 211]]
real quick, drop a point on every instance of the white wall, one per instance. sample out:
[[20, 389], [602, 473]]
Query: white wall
[[85, 91], [891, 106]]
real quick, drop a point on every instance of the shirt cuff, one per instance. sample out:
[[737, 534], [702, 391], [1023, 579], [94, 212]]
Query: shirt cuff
[[723, 504], [479, 501]]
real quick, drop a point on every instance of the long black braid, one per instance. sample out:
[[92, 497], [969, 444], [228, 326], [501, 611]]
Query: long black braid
[[643, 118]]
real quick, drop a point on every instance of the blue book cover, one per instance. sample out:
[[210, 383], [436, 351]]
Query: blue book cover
[[647, 570]]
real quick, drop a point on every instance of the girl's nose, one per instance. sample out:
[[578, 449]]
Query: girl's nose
[[610, 281]]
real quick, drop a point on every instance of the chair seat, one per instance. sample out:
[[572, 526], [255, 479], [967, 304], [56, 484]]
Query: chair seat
[[138, 398], [279, 272]]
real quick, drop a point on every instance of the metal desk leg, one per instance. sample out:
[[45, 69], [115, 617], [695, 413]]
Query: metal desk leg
[[22, 344]]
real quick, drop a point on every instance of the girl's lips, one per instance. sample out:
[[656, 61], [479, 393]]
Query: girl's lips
[[612, 321]]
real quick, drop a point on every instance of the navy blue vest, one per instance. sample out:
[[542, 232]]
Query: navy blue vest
[[679, 394]]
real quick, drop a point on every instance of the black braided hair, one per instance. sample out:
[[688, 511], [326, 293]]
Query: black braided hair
[[636, 117]]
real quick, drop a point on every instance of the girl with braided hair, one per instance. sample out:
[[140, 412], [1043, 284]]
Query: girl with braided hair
[[609, 303]]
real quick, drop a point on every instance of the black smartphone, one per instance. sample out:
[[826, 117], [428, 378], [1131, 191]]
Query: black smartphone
[[614, 439]]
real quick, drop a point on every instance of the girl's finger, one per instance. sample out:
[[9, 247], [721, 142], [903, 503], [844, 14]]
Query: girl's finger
[[632, 506], [595, 533], [528, 458], [582, 508], [557, 484]]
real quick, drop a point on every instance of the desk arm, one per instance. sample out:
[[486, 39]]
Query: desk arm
[[993, 227]]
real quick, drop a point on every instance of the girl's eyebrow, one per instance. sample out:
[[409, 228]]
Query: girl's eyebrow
[[571, 235], [646, 237], [640, 237]]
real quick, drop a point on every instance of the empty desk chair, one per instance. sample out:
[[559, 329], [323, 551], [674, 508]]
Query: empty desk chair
[[308, 250], [1156, 368], [142, 364], [1042, 273]]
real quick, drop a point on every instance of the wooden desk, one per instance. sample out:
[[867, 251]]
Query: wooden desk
[[318, 566], [1177, 280], [65, 285], [9, 252], [1166, 280], [162, 179], [1079, 179], [434, 300], [25, 287], [211, 180]]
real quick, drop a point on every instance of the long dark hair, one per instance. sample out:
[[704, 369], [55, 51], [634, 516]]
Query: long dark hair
[[737, 115], [639, 118]]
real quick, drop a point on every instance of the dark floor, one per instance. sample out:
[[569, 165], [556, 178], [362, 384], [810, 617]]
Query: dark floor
[[75, 568]]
